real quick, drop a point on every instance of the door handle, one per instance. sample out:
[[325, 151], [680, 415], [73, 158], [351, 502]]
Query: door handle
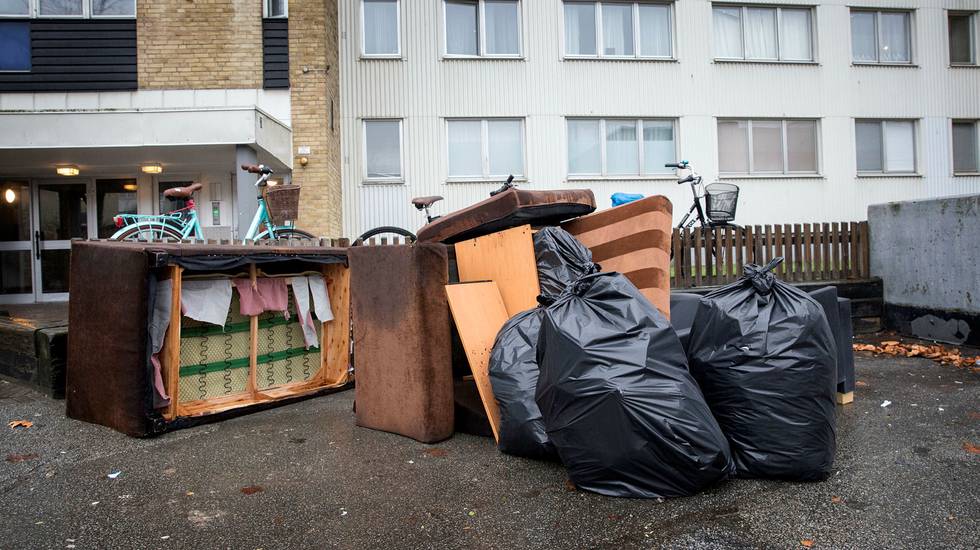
[[37, 244]]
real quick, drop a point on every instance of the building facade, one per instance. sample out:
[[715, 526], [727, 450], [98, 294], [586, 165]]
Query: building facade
[[104, 104], [815, 109]]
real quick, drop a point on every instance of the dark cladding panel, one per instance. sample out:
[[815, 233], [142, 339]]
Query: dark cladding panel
[[275, 53]]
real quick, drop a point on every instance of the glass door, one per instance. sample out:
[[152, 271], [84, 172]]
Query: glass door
[[16, 252], [62, 213]]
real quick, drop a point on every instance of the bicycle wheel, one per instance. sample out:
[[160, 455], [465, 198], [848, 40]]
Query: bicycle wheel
[[143, 232], [386, 229], [288, 234]]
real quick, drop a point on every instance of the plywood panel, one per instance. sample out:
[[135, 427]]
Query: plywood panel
[[479, 312], [336, 333], [506, 258]]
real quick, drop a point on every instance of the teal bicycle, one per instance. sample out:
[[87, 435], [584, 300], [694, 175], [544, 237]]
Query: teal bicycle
[[183, 223]]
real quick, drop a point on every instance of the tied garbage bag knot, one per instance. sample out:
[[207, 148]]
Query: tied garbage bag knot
[[762, 277]]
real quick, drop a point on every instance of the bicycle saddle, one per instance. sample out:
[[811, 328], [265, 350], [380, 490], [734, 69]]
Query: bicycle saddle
[[425, 202], [182, 192]]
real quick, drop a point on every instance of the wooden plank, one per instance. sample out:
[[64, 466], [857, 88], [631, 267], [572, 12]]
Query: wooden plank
[[709, 256], [741, 246], [170, 354], [854, 253], [506, 258], [729, 253], [698, 251], [768, 245], [679, 268], [335, 352], [817, 252], [807, 252], [479, 312], [686, 250], [835, 251], [845, 251], [845, 398], [798, 265], [865, 251], [777, 251]]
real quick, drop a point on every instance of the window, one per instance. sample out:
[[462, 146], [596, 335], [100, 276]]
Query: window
[[962, 39], [885, 146], [620, 147], [763, 34], [167, 204], [113, 197], [69, 8], [768, 146], [382, 29], [273, 8], [881, 36], [607, 29], [483, 28], [383, 150], [15, 46], [485, 149], [965, 148]]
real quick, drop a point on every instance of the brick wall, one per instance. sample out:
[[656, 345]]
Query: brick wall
[[199, 44], [314, 94]]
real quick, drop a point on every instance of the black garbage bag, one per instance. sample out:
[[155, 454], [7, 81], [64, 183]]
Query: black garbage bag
[[618, 402], [766, 360], [514, 377], [561, 259]]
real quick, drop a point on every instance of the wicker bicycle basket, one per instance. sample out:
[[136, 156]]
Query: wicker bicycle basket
[[282, 202]]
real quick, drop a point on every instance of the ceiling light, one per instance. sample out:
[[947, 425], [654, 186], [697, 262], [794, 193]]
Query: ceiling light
[[67, 170], [152, 169], [10, 196], [129, 186]]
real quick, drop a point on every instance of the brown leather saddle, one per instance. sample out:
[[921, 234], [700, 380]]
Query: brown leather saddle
[[182, 192]]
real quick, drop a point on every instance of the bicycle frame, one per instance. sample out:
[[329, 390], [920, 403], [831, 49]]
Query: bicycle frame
[[189, 228], [696, 207], [262, 218]]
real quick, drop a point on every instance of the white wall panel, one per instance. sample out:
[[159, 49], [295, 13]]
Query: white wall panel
[[423, 89]]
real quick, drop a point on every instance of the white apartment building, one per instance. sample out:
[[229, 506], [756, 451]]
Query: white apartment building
[[815, 109]]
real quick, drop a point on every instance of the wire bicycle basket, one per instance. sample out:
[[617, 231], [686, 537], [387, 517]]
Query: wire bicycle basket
[[282, 202], [721, 200]]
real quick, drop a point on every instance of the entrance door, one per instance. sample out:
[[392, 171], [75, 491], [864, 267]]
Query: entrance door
[[16, 252], [62, 212]]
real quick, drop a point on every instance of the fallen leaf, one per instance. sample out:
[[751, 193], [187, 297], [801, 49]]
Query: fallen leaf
[[890, 343], [22, 458], [569, 486], [436, 451], [20, 424], [971, 448], [861, 384], [252, 489], [806, 543], [836, 500]]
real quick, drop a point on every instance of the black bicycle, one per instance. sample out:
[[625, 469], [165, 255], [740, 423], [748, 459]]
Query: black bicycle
[[420, 204], [721, 200]]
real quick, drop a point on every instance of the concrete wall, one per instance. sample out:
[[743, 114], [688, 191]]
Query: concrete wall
[[926, 254]]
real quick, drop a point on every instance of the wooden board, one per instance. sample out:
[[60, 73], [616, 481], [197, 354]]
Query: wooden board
[[170, 353], [479, 312], [336, 334], [845, 398], [506, 258]]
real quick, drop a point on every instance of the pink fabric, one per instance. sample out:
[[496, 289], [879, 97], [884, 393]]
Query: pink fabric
[[160, 399], [268, 294]]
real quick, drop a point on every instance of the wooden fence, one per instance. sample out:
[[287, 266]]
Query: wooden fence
[[812, 252]]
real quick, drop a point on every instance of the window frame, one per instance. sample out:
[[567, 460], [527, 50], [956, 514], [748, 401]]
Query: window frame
[[398, 26], [884, 172], [637, 42], [974, 54], [785, 172], [34, 12], [913, 47], [779, 23], [976, 144], [266, 5], [365, 180], [603, 173], [481, 33], [486, 176]]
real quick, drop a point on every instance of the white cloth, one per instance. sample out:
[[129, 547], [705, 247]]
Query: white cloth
[[159, 322], [302, 288], [321, 300], [206, 301]]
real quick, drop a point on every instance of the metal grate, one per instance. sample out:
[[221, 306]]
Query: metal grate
[[214, 362]]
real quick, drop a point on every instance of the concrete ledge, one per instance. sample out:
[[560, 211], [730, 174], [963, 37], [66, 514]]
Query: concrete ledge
[[949, 326]]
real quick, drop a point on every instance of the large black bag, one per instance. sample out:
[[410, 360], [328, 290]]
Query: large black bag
[[618, 402], [766, 361], [561, 260], [514, 377]]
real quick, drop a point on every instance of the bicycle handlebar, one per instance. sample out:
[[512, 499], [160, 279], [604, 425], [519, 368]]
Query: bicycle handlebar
[[256, 169], [682, 164]]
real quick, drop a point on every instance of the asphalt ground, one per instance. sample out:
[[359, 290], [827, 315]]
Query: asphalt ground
[[304, 476]]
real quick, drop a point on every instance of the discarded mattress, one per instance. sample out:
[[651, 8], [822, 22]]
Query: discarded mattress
[[632, 239], [618, 403], [511, 208], [766, 361]]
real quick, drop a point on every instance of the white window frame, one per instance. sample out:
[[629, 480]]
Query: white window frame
[[779, 25], [481, 34], [266, 10], [401, 152], [911, 42], [603, 169], [636, 31], [398, 26], [486, 176], [976, 141], [974, 54], [34, 12], [785, 172], [884, 172]]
